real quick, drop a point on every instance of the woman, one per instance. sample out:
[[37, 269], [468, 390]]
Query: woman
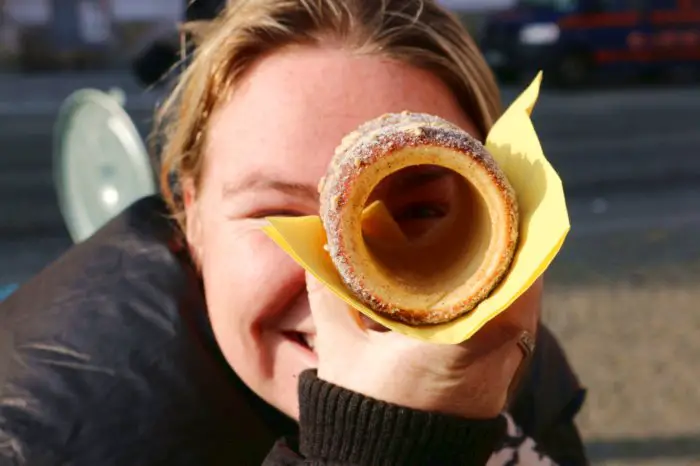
[[272, 89], [110, 357]]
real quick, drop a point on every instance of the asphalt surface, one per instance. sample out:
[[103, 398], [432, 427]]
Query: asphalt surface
[[621, 295]]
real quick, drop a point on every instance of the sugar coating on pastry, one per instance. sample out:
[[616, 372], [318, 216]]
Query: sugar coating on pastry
[[450, 269]]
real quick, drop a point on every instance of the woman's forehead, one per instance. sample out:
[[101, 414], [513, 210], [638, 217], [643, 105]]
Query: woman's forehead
[[293, 107]]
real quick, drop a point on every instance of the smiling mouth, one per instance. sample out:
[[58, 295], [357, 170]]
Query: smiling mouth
[[306, 340]]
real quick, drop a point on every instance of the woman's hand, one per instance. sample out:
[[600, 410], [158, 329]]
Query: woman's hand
[[470, 380]]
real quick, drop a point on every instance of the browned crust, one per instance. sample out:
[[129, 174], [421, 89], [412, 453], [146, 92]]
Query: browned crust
[[378, 139]]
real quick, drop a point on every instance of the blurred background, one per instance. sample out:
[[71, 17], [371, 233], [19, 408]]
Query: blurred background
[[619, 119]]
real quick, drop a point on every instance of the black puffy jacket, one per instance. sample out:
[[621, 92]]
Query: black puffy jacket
[[107, 359]]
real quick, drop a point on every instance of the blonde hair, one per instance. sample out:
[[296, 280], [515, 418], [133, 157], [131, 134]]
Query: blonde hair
[[417, 32]]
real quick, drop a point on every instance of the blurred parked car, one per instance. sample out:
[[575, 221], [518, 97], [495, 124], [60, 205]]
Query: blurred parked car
[[44, 35], [6, 290], [577, 40]]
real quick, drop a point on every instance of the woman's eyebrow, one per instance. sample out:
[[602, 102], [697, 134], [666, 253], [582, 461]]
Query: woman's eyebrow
[[261, 183], [422, 176], [412, 179]]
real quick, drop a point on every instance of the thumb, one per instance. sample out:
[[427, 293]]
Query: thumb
[[330, 313]]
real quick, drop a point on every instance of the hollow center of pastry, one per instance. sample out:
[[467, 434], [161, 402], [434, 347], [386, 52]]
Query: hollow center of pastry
[[426, 224]]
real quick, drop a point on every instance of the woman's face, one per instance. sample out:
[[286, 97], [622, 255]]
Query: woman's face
[[266, 151]]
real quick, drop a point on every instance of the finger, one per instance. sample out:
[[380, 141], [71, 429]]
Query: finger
[[330, 313], [524, 313], [507, 328], [511, 334]]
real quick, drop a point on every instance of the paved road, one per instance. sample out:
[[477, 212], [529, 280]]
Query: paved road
[[623, 298], [601, 141], [621, 295]]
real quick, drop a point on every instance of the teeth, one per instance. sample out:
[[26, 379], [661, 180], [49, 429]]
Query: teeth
[[310, 340]]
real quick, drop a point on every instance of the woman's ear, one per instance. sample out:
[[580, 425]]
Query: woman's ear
[[193, 223]]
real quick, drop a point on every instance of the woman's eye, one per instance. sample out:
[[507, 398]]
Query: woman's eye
[[276, 213], [422, 211]]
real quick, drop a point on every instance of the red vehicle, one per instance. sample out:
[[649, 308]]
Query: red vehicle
[[576, 39]]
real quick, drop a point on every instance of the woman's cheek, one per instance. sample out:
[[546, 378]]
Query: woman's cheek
[[271, 260], [248, 257]]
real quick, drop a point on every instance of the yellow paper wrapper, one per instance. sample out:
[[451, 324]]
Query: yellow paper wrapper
[[544, 224]]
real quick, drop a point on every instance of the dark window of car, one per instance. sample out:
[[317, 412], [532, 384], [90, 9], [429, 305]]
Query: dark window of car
[[664, 4], [556, 5], [623, 5]]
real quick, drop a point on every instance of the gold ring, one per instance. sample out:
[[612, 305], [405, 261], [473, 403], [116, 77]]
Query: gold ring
[[526, 343]]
